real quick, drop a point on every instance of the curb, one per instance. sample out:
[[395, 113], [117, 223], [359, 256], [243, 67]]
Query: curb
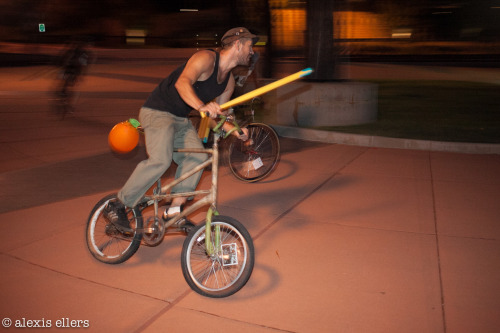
[[385, 142]]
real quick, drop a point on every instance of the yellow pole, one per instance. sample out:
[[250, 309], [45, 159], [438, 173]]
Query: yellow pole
[[266, 88]]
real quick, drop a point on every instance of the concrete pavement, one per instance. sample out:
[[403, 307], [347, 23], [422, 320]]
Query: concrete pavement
[[347, 238]]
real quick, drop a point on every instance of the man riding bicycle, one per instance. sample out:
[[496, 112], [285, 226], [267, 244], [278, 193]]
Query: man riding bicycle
[[203, 83]]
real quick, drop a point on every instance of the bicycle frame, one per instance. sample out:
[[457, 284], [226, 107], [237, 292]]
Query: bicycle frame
[[209, 196]]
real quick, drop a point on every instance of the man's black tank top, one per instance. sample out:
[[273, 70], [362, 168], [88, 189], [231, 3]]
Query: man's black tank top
[[166, 98]]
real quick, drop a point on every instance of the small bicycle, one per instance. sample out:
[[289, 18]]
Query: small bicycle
[[249, 162], [217, 256]]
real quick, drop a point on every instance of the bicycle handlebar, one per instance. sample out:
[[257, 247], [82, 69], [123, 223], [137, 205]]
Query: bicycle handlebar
[[221, 122]]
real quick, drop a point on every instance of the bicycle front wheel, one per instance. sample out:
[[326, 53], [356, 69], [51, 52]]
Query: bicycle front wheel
[[255, 159], [228, 269], [105, 242]]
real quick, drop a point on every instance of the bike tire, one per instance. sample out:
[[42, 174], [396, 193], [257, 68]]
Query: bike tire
[[105, 242], [224, 273], [257, 161]]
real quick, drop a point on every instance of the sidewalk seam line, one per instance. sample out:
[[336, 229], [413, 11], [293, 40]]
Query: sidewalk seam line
[[164, 310], [81, 278], [438, 254], [293, 206], [241, 321]]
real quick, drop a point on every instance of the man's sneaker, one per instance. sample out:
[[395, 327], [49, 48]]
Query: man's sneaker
[[115, 213], [171, 212], [183, 224]]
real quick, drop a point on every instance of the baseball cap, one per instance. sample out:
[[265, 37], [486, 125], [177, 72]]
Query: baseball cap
[[237, 33]]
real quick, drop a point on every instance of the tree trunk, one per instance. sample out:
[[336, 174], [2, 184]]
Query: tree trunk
[[320, 53]]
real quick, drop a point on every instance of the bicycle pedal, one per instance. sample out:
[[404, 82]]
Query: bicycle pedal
[[124, 230], [184, 225], [187, 227]]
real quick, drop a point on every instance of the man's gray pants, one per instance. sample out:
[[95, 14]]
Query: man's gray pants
[[163, 132]]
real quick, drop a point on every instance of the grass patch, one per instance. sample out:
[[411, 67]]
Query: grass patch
[[434, 110]]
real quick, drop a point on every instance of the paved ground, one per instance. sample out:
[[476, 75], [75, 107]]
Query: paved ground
[[347, 238]]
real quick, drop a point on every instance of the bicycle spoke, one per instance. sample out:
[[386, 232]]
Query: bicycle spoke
[[261, 140], [105, 245]]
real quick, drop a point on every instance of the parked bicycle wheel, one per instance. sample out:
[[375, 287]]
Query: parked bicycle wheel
[[228, 269], [256, 158], [105, 242]]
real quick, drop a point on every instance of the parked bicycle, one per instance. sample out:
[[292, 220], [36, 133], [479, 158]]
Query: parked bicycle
[[251, 160], [217, 256]]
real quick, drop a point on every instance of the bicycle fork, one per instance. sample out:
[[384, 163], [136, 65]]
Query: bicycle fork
[[213, 248]]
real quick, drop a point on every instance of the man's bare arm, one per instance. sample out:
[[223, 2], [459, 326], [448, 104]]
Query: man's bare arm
[[199, 67]]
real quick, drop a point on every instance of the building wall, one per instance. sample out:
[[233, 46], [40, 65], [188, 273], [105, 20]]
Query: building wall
[[359, 25], [289, 26]]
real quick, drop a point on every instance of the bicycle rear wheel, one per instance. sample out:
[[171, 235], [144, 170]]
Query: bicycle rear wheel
[[105, 242], [255, 161], [228, 269]]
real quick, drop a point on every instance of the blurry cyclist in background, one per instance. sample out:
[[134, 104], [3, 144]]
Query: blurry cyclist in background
[[72, 65]]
